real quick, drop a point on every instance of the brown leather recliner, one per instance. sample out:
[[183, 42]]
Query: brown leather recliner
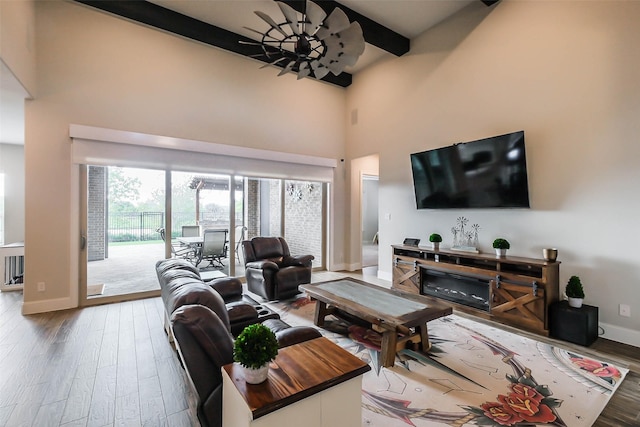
[[271, 271]]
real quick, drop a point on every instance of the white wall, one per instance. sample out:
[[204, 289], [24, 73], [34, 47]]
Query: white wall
[[12, 165], [17, 41], [98, 70], [566, 73]]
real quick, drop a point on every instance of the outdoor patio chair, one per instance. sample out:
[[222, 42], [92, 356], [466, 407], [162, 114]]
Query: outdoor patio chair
[[178, 250], [190, 230], [214, 247]]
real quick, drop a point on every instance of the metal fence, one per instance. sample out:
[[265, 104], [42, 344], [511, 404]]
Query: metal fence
[[143, 226]]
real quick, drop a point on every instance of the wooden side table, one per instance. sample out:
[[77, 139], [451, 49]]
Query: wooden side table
[[315, 383], [576, 325]]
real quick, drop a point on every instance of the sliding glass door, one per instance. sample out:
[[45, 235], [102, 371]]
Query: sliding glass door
[[130, 221], [124, 212]]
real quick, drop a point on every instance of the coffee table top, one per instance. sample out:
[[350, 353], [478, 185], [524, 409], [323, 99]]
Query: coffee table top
[[376, 304]]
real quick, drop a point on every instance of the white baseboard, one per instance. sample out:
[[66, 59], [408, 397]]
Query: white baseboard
[[45, 306], [355, 266], [338, 267], [620, 334], [385, 275]]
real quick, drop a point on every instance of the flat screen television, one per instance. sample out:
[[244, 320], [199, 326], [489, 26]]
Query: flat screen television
[[487, 173]]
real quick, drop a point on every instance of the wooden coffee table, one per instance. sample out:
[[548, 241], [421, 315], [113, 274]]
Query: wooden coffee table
[[400, 317]]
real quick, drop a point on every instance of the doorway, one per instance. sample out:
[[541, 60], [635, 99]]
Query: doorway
[[369, 223]]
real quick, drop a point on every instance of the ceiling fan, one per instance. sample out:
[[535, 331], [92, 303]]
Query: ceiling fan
[[310, 44]]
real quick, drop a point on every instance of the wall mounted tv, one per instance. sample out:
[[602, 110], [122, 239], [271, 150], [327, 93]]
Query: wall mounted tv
[[487, 173]]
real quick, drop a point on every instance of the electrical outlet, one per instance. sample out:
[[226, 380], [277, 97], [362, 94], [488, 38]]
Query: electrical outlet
[[41, 287], [625, 310]]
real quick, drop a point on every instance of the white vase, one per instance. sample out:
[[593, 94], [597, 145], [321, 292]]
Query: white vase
[[256, 376], [575, 302], [501, 252]]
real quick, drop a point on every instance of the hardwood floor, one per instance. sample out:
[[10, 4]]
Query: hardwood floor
[[98, 366], [112, 365]]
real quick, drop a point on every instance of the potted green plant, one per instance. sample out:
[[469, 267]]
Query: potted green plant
[[254, 348], [435, 240], [501, 245], [574, 292]]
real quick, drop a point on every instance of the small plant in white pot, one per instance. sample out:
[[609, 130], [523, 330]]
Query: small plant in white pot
[[435, 240], [254, 348], [574, 292], [501, 245]]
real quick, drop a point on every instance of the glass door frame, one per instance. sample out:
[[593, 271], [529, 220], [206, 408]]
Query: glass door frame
[[83, 300]]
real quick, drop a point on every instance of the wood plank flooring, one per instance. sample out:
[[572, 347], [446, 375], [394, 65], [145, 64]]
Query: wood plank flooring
[[106, 365], [112, 365]]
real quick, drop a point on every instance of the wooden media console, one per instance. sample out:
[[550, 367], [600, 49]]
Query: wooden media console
[[515, 291]]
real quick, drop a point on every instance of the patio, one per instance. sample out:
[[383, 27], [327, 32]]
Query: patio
[[131, 269]]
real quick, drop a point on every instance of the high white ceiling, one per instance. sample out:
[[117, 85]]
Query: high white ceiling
[[406, 17]]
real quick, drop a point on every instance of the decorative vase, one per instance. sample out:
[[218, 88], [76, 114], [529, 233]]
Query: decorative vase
[[435, 245], [256, 376], [501, 252], [575, 302]]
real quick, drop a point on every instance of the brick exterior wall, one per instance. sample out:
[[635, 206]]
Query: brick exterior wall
[[303, 218], [96, 215]]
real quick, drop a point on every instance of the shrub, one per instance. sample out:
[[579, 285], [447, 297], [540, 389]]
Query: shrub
[[435, 238]]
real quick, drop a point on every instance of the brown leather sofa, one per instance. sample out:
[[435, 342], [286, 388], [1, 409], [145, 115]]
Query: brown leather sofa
[[201, 324], [271, 271]]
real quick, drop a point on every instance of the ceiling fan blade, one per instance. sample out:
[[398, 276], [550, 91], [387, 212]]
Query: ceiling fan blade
[[315, 17], [304, 70], [336, 22], [291, 16], [319, 70], [266, 18], [268, 64], [287, 68]]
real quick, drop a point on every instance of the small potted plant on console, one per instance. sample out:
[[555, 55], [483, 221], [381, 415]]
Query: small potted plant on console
[[501, 245], [574, 292], [435, 240], [254, 348]]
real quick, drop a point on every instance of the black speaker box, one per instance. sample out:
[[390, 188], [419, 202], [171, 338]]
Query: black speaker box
[[576, 325]]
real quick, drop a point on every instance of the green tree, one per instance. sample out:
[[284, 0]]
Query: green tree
[[123, 191]]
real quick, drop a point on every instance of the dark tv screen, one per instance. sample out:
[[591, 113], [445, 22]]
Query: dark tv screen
[[487, 173]]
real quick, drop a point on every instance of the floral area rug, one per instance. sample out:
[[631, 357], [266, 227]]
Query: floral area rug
[[474, 374]]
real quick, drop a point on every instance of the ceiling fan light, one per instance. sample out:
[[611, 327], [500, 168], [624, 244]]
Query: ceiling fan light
[[291, 16], [312, 44]]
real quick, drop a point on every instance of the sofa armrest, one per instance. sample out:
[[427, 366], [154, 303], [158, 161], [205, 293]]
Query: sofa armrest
[[241, 312], [288, 335], [301, 260], [263, 265], [229, 288], [296, 334]]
